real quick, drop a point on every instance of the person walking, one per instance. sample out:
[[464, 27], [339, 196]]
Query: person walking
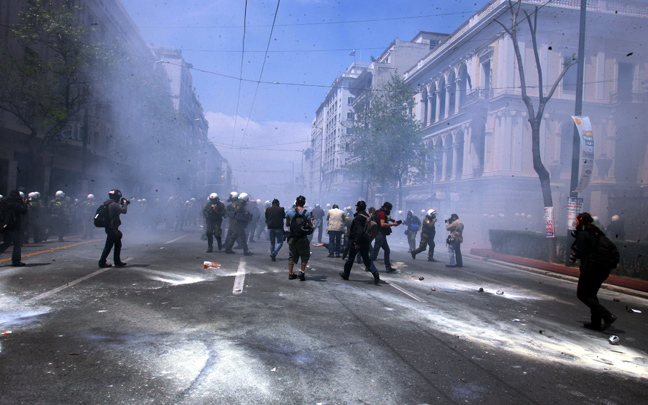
[[274, 218], [13, 211], [300, 222], [454, 241], [428, 232], [117, 205], [242, 218], [594, 270], [412, 226], [386, 223], [335, 229], [318, 221], [213, 213], [359, 244]]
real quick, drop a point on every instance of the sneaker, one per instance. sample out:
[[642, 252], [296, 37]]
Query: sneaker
[[608, 322], [376, 278], [390, 270], [209, 249], [273, 257], [248, 253], [432, 260], [343, 276], [18, 264], [413, 255], [302, 276], [229, 251], [292, 276], [120, 264], [104, 265]]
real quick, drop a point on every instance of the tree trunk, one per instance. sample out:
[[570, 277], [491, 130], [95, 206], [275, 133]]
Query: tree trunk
[[545, 180]]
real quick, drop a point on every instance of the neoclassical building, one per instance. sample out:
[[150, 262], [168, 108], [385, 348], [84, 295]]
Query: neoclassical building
[[475, 128]]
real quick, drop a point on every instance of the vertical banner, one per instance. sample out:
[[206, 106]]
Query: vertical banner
[[574, 207], [584, 127], [549, 222]]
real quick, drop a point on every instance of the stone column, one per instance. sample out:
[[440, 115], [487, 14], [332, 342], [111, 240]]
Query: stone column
[[446, 113]]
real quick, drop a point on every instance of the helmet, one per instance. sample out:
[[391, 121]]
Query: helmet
[[22, 195], [267, 203], [431, 212], [258, 201], [233, 195], [114, 194], [90, 197], [244, 197], [213, 196], [192, 200], [317, 206], [36, 194], [335, 206], [60, 195]]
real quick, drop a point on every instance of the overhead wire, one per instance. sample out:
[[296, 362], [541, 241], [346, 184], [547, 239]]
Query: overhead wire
[[265, 57], [238, 97]]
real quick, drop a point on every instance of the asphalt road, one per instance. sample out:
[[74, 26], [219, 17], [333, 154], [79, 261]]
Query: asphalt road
[[164, 330]]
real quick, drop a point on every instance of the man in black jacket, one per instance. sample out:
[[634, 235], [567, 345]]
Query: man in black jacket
[[116, 206], [593, 272], [13, 209], [274, 217], [358, 242]]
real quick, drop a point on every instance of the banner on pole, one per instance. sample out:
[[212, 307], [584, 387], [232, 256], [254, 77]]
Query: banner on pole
[[549, 222], [574, 207], [584, 127]]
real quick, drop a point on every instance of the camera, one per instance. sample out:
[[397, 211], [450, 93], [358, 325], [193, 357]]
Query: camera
[[125, 201], [399, 222]]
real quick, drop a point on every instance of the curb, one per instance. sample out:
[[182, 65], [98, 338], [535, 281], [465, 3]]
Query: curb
[[626, 282]]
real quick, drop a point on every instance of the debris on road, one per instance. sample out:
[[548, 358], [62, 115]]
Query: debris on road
[[499, 292], [421, 278], [7, 332], [481, 289], [210, 265], [614, 340], [633, 311], [617, 300]]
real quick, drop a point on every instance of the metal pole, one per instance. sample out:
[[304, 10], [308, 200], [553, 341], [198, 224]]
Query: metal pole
[[578, 110]]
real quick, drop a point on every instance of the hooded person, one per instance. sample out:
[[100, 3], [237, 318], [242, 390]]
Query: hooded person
[[117, 205]]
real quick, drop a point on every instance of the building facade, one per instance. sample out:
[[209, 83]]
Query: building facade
[[475, 125]]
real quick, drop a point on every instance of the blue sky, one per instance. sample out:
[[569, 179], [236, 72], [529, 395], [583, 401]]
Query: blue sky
[[308, 48]]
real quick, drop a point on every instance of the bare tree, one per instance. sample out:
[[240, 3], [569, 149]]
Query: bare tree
[[535, 116]]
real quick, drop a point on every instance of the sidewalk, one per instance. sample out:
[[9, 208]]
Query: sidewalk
[[627, 282]]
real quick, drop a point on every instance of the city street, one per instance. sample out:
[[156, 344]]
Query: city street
[[164, 330]]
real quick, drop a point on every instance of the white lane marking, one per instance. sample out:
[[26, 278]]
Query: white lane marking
[[70, 284], [404, 291], [239, 279], [171, 241]]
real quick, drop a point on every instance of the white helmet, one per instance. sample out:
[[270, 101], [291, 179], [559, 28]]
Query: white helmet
[[233, 195], [36, 194], [268, 203], [431, 212], [31, 195], [213, 196], [60, 194], [22, 195], [258, 201], [244, 197], [90, 197]]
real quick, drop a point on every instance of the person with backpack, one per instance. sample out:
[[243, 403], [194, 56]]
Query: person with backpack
[[115, 205], [300, 222], [597, 255], [12, 211], [386, 223], [360, 241]]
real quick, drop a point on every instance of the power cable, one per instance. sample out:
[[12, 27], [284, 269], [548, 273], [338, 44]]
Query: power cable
[[238, 97], [265, 57]]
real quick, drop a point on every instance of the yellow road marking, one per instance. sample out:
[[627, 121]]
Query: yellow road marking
[[53, 249]]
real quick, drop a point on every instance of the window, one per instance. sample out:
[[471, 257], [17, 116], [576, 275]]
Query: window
[[349, 115], [350, 100], [569, 80]]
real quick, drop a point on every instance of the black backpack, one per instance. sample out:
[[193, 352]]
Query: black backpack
[[299, 226], [8, 217], [606, 252], [102, 216]]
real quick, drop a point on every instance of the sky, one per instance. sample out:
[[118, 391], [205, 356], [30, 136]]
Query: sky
[[259, 112]]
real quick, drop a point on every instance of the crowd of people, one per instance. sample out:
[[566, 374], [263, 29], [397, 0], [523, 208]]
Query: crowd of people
[[354, 236]]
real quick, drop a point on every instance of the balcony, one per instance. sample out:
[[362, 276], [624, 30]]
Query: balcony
[[477, 95]]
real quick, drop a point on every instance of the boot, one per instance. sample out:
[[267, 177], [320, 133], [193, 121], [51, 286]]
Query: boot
[[220, 243]]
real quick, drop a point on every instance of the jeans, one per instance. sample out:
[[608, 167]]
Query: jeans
[[381, 242], [454, 250], [335, 240], [113, 238], [364, 253], [276, 240]]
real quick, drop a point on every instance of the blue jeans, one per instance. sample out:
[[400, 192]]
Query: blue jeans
[[454, 250], [381, 242], [276, 235], [335, 239]]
